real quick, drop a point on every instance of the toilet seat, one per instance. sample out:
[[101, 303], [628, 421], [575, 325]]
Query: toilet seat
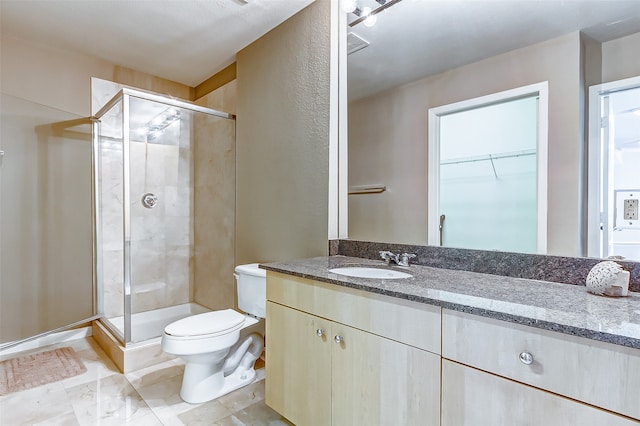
[[210, 324]]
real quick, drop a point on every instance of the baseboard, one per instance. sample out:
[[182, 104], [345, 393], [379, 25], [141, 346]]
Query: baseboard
[[50, 339]]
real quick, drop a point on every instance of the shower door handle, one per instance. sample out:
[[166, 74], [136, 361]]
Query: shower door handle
[[441, 228]]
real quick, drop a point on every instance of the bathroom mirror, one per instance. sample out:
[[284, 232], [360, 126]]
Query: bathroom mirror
[[423, 54]]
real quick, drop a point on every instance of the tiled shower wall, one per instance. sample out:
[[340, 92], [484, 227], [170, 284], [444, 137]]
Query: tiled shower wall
[[161, 237]]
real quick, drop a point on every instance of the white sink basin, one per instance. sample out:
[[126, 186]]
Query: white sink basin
[[363, 272]]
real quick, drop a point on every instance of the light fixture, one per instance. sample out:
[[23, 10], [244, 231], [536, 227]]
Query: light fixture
[[161, 121], [348, 5], [370, 19], [366, 15]]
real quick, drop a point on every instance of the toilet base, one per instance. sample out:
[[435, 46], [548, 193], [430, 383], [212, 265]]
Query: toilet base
[[233, 381]]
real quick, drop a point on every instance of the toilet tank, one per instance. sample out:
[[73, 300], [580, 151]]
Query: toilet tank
[[252, 289]]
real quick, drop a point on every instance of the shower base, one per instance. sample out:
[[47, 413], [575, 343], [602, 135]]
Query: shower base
[[147, 328]]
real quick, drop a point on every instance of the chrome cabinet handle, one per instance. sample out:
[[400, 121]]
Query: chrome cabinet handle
[[320, 332], [526, 358], [338, 339]]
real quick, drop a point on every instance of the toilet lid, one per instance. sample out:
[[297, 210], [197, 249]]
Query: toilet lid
[[216, 322], [251, 269]]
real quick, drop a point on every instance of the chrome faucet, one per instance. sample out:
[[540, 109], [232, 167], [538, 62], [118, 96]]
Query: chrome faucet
[[399, 259], [404, 259], [387, 256]]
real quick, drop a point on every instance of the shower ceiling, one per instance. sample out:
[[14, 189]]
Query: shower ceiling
[[157, 37]]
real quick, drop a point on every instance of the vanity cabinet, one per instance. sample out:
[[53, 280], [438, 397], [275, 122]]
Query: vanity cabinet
[[333, 357], [501, 373], [341, 356]]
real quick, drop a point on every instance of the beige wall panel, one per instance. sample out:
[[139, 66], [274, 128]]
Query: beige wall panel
[[388, 137], [223, 98], [283, 140], [62, 79], [620, 58], [51, 77]]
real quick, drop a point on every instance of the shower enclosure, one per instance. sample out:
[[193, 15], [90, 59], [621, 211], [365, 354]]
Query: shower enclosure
[[146, 150]]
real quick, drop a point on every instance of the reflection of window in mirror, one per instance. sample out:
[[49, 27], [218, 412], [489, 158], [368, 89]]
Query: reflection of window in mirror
[[487, 172], [614, 181]]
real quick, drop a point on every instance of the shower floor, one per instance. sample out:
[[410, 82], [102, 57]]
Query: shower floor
[[151, 324], [146, 330]]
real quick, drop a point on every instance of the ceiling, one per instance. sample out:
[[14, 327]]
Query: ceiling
[[417, 38], [181, 40], [411, 39]]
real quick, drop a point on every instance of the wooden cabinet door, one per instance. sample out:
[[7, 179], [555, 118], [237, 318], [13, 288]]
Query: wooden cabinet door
[[298, 366], [475, 398], [377, 381]]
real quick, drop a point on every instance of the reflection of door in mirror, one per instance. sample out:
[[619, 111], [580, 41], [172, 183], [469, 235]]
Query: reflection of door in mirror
[[485, 162], [614, 179]]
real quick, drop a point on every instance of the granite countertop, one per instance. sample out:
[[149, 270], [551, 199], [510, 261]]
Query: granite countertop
[[557, 307]]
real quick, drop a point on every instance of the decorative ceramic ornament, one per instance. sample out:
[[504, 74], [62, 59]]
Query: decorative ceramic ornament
[[609, 279]]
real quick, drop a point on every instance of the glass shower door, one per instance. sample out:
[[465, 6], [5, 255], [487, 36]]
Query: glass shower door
[[46, 262], [161, 211], [109, 218]]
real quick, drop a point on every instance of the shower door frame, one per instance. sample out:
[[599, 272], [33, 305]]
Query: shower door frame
[[124, 95]]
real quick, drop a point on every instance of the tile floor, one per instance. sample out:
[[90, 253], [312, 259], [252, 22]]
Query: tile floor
[[104, 396]]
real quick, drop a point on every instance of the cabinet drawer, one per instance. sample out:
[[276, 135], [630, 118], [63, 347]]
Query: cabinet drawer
[[412, 323], [597, 373], [472, 397]]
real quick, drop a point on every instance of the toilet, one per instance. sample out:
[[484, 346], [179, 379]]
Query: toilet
[[216, 360]]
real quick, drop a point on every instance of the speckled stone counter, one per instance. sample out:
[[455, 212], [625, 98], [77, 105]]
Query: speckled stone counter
[[559, 269], [557, 307]]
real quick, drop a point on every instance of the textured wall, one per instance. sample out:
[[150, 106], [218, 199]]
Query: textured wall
[[283, 140], [388, 136]]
